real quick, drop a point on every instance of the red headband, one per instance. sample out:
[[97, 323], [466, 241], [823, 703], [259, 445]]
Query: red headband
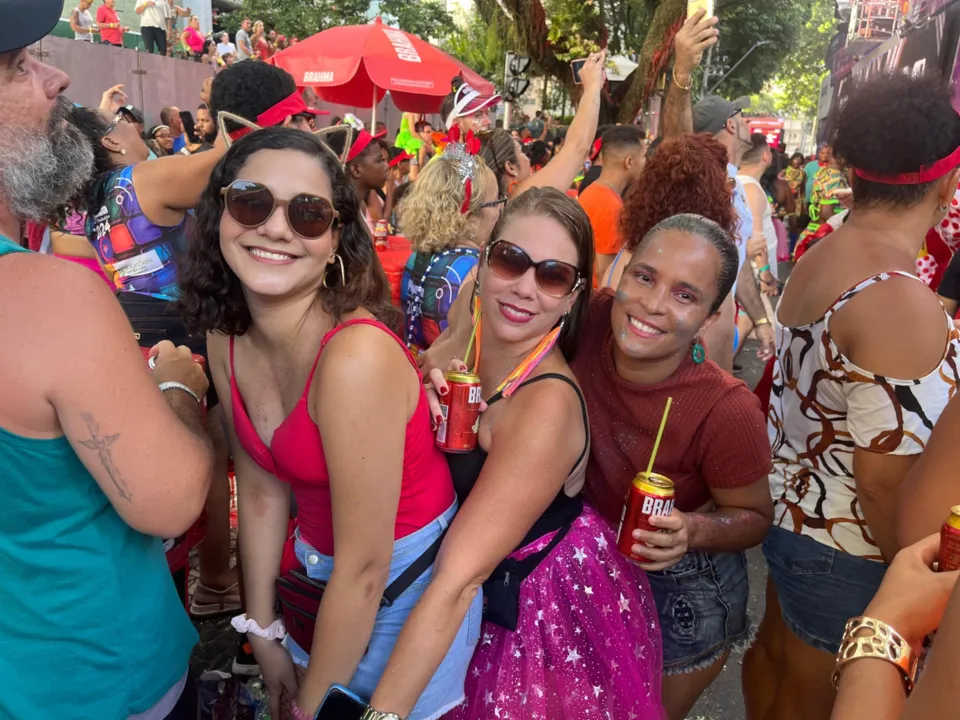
[[926, 174], [595, 149], [291, 105]]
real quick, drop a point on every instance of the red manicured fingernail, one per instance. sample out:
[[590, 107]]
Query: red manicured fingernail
[[438, 419], [443, 390]]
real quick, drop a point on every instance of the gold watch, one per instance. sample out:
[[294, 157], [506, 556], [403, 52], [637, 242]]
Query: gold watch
[[371, 714], [761, 321]]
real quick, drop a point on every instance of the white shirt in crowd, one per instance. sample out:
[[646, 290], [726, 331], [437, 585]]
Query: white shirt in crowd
[[227, 47], [155, 13], [84, 20], [769, 231]]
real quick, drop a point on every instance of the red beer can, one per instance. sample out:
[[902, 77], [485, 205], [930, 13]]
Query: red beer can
[[649, 494], [459, 413], [950, 542], [380, 232]]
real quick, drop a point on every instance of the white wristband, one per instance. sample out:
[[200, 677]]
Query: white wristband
[[169, 385], [274, 631]]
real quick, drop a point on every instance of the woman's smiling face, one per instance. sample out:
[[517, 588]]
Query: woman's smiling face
[[664, 298]]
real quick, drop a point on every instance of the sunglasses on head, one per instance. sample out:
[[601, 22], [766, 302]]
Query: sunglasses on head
[[251, 204], [554, 278]]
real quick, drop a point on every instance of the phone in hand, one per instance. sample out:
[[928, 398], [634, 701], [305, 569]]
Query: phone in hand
[[340, 704], [693, 6], [577, 66], [189, 126]]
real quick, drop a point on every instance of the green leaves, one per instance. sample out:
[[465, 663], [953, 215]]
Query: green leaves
[[300, 18], [427, 19], [796, 86]]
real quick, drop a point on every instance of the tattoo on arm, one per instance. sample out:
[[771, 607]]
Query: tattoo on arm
[[101, 445]]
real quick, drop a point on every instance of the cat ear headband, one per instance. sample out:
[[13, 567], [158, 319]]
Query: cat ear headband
[[264, 120]]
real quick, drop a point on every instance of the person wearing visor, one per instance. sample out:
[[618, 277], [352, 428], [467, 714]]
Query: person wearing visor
[[467, 108], [367, 171]]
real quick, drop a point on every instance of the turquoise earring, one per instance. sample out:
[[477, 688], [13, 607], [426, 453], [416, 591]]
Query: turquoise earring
[[698, 352]]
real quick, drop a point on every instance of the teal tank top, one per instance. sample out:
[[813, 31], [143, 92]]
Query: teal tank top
[[90, 622]]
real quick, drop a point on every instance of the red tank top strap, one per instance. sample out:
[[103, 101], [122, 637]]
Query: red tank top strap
[[356, 321]]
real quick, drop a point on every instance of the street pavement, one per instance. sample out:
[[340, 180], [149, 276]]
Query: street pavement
[[724, 700]]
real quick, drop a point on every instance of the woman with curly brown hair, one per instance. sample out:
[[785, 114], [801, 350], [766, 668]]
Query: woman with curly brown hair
[[687, 174], [447, 229], [323, 400]]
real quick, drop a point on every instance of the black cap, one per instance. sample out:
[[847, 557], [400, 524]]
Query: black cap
[[26, 21], [132, 112]]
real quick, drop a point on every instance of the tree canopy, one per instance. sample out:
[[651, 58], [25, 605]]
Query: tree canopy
[[796, 85]]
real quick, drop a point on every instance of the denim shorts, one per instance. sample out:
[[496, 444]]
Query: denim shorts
[[819, 588], [702, 604], [445, 690]]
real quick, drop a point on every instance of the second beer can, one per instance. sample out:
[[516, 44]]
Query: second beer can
[[649, 494], [459, 413], [949, 558]]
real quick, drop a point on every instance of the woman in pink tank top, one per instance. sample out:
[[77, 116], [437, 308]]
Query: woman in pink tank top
[[322, 400]]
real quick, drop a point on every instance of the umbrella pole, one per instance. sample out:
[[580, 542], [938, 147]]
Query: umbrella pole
[[373, 121]]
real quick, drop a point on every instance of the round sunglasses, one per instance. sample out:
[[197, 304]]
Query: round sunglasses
[[251, 204], [554, 278]]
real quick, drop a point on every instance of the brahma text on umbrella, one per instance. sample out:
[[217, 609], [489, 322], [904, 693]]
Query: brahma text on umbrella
[[402, 45], [318, 77]]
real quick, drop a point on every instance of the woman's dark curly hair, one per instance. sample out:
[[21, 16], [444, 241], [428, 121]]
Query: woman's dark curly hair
[[687, 174], [211, 295], [896, 123], [93, 124], [550, 202]]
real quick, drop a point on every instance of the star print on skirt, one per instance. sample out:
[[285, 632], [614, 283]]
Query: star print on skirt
[[587, 643]]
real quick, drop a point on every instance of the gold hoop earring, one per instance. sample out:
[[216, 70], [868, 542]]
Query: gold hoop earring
[[343, 273]]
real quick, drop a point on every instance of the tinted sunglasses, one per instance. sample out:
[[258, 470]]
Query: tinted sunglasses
[[554, 278], [251, 204]]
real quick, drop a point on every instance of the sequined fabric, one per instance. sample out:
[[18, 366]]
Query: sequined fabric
[[587, 643]]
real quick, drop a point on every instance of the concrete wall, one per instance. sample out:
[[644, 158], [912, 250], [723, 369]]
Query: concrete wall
[[153, 82]]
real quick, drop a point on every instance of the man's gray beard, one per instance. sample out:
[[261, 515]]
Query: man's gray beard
[[42, 171]]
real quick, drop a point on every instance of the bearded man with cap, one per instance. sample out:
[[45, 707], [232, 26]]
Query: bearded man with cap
[[723, 120], [100, 459]]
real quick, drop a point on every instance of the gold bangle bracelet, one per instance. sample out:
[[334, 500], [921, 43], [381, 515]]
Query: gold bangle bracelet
[[686, 88], [882, 643]]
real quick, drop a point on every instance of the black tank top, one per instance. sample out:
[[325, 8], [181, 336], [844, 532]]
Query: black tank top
[[465, 469]]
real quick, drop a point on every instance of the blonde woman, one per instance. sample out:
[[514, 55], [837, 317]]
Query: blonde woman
[[447, 232]]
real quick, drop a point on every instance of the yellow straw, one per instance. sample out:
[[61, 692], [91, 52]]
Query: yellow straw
[[473, 334], [656, 444]]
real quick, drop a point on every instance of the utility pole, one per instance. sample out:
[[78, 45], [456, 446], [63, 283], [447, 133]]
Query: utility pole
[[738, 63]]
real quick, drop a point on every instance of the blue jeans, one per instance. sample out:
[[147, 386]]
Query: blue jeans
[[445, 690], [702, 604], [819, 588]]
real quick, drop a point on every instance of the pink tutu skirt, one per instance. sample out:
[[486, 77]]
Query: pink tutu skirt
[[587, 643]]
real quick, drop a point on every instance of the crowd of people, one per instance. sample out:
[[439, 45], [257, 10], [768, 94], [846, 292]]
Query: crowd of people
[[161, 33], [588, 285]]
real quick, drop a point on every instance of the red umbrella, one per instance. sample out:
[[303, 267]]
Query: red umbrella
[[357, 64]]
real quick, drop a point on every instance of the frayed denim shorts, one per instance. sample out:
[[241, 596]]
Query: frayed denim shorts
[[819, 588], [702, 604], [445, 690]]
